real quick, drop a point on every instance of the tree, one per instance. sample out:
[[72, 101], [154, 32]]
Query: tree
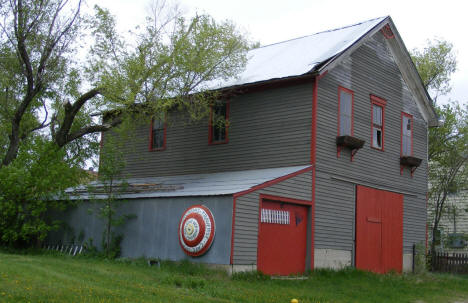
[[48, 92], [435, 64], [30, 188], [172, 58], [448, 146], [112, 184], [448, 143]]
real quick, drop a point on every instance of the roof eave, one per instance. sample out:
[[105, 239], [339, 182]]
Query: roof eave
[[412, 78], [404, 62]]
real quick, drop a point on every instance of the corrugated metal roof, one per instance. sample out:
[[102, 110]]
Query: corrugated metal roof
[[223, 183], [297, 56]]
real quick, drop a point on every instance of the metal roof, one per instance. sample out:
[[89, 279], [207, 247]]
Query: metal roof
[[297, 56], [223, 183]]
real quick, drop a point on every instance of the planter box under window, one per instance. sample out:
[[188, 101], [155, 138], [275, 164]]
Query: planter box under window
[[353, 143], [350, 142], [410, 161]]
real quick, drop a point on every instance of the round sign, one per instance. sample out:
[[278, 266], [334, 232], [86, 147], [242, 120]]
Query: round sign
[[196, 230]]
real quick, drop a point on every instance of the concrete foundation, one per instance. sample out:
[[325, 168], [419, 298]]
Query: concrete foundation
[[332, 258], [234, 268], [407, 262]]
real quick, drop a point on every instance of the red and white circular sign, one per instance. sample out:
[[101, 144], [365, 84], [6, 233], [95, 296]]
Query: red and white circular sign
[[196, 230]]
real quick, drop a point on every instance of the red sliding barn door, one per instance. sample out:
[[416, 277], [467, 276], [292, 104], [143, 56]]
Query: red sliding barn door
[[282, 241], [379, 230]]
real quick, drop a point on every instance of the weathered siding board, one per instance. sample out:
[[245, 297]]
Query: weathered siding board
[[246, 221], [414, 222], [334, 213], [268, 128], [369, 70]]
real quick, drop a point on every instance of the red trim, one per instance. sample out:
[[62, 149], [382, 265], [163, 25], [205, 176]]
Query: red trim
[[210, 126], [266, 184], [312, 224], [340, 88], [377, 101], [387, 32], [300, 202], [403, 114], [284, 199], [151, 137], [313, 148], [263, 197], [274, 181], [313, 152]]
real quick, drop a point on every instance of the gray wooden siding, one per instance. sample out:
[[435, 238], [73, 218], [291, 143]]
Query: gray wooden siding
[[369, 70], [414, 222], [247, 206], [268, 128], [334, 213]]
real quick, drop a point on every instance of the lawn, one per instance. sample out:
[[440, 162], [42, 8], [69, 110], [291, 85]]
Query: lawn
[[55, 278]]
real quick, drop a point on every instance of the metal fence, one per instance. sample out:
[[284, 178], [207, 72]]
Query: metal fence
[[69, 249], [451, 262]]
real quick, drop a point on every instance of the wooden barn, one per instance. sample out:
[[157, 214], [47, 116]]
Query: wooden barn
[[323, 163]]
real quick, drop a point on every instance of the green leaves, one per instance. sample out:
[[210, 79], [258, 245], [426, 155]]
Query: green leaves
[[448, 143], [435, 64], [49, 99], [29, 189], [172, 58], [448, 151]]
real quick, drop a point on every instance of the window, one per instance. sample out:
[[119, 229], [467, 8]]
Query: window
[[158, 134], [406, 134], [345, 111], [378, 122], [219, 115]]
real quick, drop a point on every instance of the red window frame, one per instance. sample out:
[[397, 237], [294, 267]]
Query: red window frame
[[340, 89], [377, 101], [410, 117], [151, 137], [211, 140]]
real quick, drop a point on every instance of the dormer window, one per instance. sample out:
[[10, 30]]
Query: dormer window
[[218, 130], [377, 125]]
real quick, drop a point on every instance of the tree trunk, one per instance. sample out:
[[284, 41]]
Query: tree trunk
[[433, 243], [13, 147]]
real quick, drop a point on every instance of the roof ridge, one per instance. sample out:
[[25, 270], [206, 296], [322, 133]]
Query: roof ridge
[[322, 32]]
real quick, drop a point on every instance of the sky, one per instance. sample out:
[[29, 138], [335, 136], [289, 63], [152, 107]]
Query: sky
[[270, 21]]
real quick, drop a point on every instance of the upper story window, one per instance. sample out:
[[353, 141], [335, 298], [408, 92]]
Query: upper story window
[[158, 134], [406, 134], [219, 116], [345, 112], [378, 122]]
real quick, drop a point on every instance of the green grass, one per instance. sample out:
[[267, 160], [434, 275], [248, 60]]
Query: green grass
[[55, 278]]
